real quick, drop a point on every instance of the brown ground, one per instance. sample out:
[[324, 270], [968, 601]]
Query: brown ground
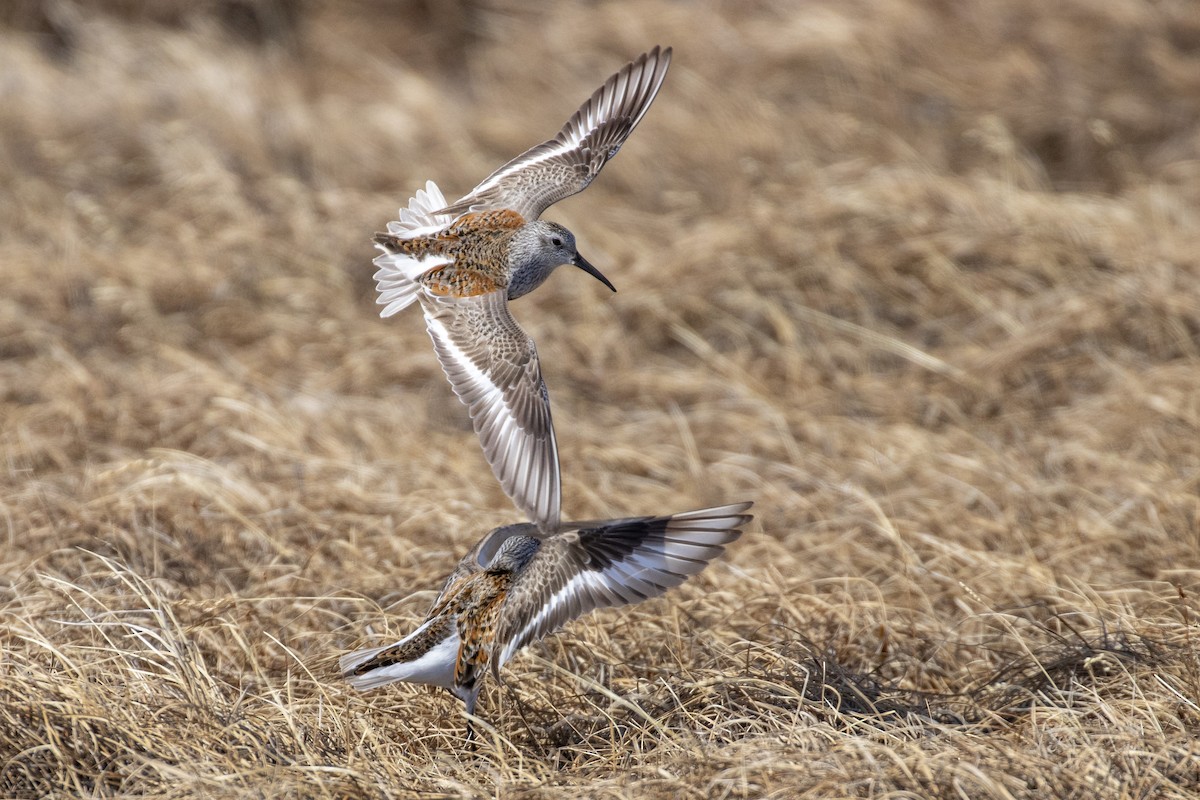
[[921, 279]]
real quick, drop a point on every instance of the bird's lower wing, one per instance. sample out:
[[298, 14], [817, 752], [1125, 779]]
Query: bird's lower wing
[[493, 366], [611, 563]]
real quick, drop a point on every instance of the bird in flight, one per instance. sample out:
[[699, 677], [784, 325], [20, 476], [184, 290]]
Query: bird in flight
[[465, 260]]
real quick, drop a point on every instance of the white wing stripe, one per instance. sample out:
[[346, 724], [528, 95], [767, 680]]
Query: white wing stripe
[[614, 585], [524, 462], [545, 155], [578, 584], [472, 373]]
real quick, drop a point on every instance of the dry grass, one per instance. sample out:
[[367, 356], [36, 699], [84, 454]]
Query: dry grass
[[921, 279]]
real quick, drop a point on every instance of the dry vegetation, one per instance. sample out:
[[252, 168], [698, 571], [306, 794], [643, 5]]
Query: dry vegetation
[[921, 279]]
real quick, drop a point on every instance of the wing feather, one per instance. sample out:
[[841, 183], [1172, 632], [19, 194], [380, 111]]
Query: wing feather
[[613, 562], [566, 164], [492, 365]]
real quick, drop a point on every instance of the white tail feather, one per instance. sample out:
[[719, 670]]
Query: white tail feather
[[435, 666], [418, 219], [396, 278]]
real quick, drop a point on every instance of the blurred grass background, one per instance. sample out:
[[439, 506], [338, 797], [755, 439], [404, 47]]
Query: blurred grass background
[[919, 278]]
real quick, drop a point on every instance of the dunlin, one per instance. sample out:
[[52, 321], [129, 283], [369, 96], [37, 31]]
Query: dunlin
[[516, 586], [465, 261]]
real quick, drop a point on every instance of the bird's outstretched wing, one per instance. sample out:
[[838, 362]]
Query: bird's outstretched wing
[[492, 365], [566, 164], [611, 563]]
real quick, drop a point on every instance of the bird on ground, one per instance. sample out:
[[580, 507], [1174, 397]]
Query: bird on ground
[[516, 586]]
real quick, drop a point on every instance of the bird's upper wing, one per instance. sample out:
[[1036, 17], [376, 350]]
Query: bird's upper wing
[[612, 563], [492, 365], [566, 164]]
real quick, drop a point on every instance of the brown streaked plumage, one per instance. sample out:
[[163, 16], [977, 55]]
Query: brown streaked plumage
[[517, 585], [465, 261]]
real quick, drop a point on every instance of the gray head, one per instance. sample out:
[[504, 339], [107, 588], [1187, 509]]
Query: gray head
[[487, 548], [537, 249], [515, 552]]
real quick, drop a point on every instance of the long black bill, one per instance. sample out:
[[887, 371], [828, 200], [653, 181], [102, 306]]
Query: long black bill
[[583, 264]]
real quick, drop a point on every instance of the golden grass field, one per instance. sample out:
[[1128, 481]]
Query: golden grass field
[[920, 279]]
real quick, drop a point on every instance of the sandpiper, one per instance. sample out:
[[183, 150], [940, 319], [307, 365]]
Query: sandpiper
[[464, 261], [516, 586]]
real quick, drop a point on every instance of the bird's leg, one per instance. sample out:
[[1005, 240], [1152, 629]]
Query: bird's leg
[[470, 701], [470, 738]]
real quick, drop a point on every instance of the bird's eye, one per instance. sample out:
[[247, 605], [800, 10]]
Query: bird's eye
[[557, 242]]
